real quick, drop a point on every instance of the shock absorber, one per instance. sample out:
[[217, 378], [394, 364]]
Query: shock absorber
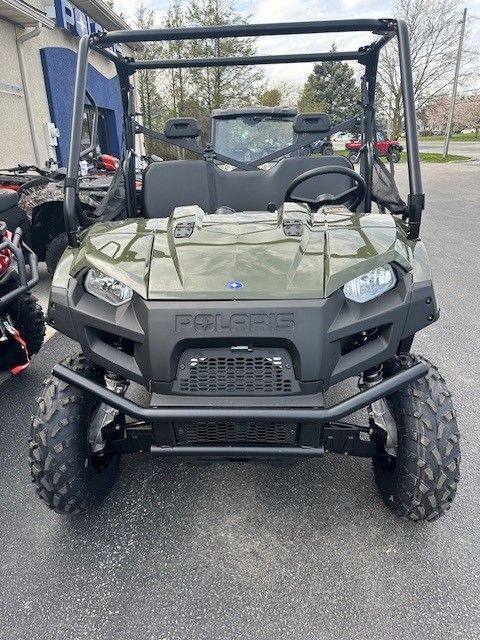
[[371, 377], [119, 385], [383, 428]]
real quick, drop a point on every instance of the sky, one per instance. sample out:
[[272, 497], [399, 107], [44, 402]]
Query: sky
[[298, 10]]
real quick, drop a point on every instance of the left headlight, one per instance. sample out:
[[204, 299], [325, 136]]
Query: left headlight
[[105, 287], [370, 285]]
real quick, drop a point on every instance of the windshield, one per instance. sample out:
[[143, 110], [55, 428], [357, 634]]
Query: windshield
[[248, 138]]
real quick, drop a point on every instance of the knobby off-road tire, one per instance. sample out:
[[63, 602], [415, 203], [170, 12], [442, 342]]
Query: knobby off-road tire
[[54, 252], [394, 155], [67, 477], [27, 316], [421, 483], [353, 157]]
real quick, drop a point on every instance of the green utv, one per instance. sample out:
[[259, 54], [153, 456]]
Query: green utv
[[238, 298]]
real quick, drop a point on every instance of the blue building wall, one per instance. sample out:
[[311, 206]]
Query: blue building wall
[[59, 72]]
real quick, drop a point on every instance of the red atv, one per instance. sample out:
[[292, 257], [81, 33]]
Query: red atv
[[383, 147], [22, 325]]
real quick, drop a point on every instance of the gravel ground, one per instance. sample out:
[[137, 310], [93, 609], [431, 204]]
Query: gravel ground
[[249, 551]]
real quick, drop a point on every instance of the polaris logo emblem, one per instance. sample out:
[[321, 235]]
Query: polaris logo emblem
[[234, 284], [245, 323]]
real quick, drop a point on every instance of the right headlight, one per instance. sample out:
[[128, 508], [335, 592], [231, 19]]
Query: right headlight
[[106, 288], [370, 285]]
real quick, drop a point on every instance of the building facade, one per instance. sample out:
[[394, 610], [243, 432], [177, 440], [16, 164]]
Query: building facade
[[38, 45]]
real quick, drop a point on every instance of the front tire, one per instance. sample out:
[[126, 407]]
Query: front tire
[[421, 482], [27, 316], [67, 476], [353, 157], [394, 155]]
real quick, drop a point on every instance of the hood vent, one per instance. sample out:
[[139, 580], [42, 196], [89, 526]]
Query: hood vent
[[293, 227], [184, 229]]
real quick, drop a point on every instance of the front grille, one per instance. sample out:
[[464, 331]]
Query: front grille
[[249, 433], [228, 372]]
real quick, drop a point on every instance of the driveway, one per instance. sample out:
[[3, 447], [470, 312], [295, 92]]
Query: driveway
[[249, 551]]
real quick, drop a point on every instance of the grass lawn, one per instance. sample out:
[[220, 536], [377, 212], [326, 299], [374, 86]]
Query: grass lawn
[[458, 137], [438, 157]]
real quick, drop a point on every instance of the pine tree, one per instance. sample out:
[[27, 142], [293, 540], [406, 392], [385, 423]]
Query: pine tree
[[331, 88]]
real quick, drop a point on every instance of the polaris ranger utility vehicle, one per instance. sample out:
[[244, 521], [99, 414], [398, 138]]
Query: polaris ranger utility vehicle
[[22, 325], [237, 298]]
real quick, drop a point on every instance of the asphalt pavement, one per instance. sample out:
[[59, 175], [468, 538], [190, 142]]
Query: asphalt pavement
[[253, 552], [470, 149]]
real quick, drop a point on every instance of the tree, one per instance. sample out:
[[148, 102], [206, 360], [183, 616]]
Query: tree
[[220, 86], [281, 93], [150, 103], [177, 79], [111, 4], [270, 97], [434, 115], [331, 88], [433, 30]]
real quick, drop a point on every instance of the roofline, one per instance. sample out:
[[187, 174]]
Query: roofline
[[101, 13], [24, 14]]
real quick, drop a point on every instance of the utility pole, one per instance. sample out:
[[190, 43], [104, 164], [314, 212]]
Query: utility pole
[[455, 85]]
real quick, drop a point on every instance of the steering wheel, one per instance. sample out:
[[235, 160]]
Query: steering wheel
[[357, 192]]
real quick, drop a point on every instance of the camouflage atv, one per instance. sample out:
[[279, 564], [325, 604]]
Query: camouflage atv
[[40, 197], [238, 298], [42, 200]]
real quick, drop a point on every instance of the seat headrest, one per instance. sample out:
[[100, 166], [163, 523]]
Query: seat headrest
[[312, 123], [182, 128]]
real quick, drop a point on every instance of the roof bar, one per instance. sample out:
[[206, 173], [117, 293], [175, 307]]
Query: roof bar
[[380, 27], [192, 63]]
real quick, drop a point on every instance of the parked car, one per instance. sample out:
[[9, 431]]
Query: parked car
[[343, 136]]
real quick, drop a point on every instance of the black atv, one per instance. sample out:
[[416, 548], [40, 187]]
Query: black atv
[[22, 324]]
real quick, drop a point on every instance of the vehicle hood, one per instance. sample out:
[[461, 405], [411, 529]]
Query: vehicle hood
[[251, 249]]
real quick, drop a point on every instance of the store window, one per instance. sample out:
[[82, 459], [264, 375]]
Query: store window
[[103, 138]]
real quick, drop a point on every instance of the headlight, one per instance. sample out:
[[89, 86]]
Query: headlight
[[370, 285], [107, 288]]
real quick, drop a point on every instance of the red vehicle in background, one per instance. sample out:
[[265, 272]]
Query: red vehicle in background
[[390, 149]]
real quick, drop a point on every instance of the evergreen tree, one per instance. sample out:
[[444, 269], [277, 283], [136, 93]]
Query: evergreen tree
[[221, 86], [331, 88]]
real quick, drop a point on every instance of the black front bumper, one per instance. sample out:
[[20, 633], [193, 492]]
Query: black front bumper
[[320, 335]]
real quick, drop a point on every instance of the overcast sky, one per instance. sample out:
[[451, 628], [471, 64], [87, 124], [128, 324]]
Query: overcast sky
[[298, 10]]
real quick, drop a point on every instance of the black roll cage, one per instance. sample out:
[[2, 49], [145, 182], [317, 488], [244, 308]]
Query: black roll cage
[[367, 56]]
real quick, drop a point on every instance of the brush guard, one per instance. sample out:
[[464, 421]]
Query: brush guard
[[320, 428], [19, 250]]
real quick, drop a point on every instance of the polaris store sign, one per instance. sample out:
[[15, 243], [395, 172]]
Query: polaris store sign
[[75, 21]]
